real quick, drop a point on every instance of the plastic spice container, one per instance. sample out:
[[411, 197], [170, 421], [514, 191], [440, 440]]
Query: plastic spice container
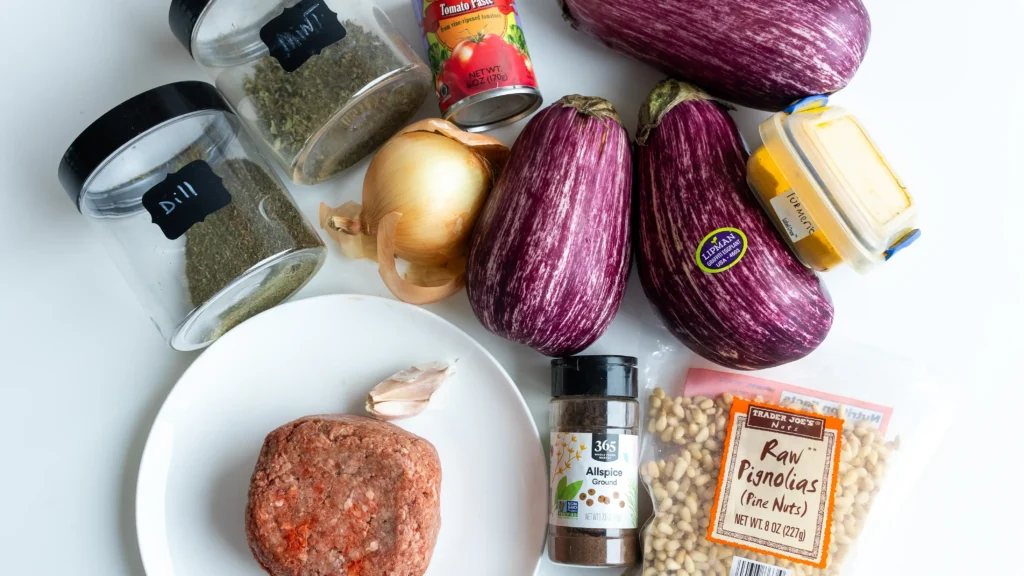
[[595, 455], [200, 226], [321, 82], [829, 190]]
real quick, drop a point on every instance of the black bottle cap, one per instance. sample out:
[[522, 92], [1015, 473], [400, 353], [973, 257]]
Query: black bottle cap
[[183, 17], [594, 376], [128, 121]]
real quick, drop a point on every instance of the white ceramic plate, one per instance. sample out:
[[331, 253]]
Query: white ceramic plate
[[320, 356]]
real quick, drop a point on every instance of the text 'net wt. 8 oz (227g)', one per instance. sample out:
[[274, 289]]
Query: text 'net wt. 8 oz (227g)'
[[794, 471]]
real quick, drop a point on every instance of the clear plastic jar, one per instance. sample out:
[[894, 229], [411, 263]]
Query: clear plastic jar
[[322, 83], [829, 190], [595, 457], [198, 223]]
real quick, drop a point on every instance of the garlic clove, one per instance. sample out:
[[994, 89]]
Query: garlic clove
[[395, 410], [416, 383], [408, 392]]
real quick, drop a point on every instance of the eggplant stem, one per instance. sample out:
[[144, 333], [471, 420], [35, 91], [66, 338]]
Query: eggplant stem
[[591, 106], [566, 15], [668, 94]]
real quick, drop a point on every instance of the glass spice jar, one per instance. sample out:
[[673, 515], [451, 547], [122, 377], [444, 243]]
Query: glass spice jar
[[198, 223], [595, 455], [322, 83]]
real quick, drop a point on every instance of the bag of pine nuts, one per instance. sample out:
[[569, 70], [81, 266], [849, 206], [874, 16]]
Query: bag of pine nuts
[[784, 472]]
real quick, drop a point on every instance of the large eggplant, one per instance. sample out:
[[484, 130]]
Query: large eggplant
[[754, 53], [710, 261], [551, 252]]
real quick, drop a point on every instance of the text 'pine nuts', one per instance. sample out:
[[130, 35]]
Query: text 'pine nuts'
[[682, 481]]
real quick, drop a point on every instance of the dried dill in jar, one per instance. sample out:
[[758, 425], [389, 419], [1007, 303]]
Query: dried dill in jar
[[261, 223], [199, 224], [595, 455]]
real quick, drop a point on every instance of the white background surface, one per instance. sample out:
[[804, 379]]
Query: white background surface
[[83, 372]]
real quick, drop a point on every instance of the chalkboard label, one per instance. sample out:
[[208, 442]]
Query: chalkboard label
[[301, 32], [186, 198]]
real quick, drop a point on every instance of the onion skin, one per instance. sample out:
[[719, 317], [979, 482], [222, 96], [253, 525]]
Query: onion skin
[[766, 310], [753, 53], [422, 195], [551, 254], [422, 236]]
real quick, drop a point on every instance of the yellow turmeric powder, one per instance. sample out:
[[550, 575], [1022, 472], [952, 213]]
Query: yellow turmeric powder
[[814, 250]]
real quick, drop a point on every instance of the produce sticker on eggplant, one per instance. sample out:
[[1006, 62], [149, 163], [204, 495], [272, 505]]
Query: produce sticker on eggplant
[[777, 483], [721, 250], [474, 46]]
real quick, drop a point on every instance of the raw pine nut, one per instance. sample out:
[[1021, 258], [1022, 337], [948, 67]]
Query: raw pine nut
[[692, 432]]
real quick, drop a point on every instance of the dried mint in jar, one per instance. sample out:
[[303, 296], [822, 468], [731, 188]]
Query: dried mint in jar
[[319, 83], [595, 454], [293, 107]]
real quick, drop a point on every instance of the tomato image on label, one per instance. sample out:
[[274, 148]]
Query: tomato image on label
[[476, 50], [485, 62]]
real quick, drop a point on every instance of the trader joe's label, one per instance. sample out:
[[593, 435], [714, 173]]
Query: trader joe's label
[[594, 480], [777, 482]]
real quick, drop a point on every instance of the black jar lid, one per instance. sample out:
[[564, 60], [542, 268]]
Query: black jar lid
[[184, 15], [594, 376], [128, 121]]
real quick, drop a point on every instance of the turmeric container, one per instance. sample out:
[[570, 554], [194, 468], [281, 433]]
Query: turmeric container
[[829, 190]]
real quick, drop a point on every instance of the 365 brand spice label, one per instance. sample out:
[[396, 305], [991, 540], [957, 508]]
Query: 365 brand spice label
[[777, 482], [594, 480]]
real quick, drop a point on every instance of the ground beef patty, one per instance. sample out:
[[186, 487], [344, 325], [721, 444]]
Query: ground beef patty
[[344, 496]]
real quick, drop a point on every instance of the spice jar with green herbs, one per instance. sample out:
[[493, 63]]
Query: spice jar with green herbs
[[595, 456], [322, 83], [200, 225]]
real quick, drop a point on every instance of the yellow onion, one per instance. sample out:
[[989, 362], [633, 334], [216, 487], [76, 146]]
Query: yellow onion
[[422, 195]]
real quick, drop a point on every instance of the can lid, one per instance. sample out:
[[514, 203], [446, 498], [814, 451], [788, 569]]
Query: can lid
[[594, 376], [494, 108], [184, 15], [128, 121]]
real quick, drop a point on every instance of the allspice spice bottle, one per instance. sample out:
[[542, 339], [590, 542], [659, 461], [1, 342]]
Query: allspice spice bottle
[[595, 454]]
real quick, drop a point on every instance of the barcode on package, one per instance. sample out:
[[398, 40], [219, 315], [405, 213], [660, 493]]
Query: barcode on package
[[744, 567]]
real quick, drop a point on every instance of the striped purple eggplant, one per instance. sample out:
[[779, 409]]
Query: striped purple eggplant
[[710, 261], [759, 54], [551, 252]]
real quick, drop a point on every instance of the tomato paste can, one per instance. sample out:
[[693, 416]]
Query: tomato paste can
[[482, 69]]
